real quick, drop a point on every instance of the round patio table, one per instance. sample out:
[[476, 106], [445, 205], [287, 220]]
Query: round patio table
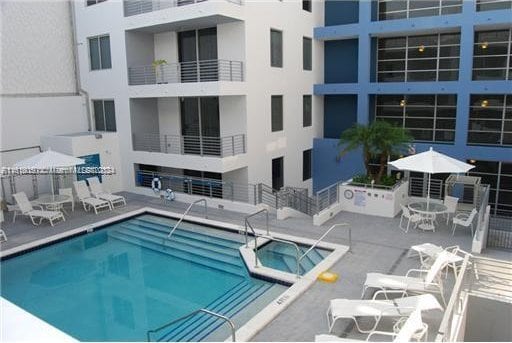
[[428, 212], [53, 201]]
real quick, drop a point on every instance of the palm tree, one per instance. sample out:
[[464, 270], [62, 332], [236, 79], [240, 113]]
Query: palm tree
[[379, 140]]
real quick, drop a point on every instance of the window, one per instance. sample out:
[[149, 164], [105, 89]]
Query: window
[[492, 55], [490, 120], [429, 118], [99, 52], [278, 173], [419, 58], [306, 165], [277, 113], [306, 110], [93, 2], [307, 53], [276, 48], [403, 9], [491, 5], [104, 115], [306, 5], [499, 176]]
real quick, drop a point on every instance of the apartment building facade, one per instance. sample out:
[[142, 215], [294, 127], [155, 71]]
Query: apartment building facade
[[441, 69], [208, 90]]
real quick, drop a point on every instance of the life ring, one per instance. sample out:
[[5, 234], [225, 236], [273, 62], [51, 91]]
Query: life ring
[[169, 194], [156, 185]]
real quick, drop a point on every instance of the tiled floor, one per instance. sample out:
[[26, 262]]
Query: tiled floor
[[377, 245]]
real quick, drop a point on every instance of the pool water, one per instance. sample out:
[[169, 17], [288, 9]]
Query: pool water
[[117, 283], [283, 257]]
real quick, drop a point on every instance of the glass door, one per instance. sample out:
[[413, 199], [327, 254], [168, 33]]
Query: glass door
[[197, 52], [200, 126], [277, 173]]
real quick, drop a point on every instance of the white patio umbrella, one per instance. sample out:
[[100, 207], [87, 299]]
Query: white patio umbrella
[[431, 162], [49, 160]]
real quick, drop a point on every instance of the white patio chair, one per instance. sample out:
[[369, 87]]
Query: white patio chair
[[465, 220], [411, 218], [98, 192], [427, 281], [399, 307], [27, 210], [412, 328], [69, 193], [87, 200], [451, 206], [3, 236]]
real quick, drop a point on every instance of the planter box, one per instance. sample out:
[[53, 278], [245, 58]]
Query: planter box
[[373, 201]]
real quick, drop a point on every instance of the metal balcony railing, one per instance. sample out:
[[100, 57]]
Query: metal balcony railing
[[134, 7], [194, 145], [194, 71]]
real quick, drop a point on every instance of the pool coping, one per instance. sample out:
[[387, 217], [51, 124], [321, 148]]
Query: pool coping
[[257, 322]]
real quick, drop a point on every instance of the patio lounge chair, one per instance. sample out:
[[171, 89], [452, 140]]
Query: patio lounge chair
[[69, 193], [87, 200], [427, 281], [3, 236], [27, 210], [98, 192], [465, 220], [428, 252], [411, 218], [412, 328], [399, 307]]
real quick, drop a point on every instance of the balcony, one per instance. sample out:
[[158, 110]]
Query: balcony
[[190, 145], [185, 72], [134, 7]]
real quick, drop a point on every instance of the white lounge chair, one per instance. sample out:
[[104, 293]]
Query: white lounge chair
[[27, 210], [411, 218], [427, 281], [98, 192], [3, 236], [451, 206], [465, 220], [399, 307], [87, 200], [69, 193], [412, 328], [428, 252]]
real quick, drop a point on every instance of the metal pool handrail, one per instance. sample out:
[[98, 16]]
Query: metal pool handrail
[[323, 236], [188, 210], [297, 249], [203, 310], [248, 225]]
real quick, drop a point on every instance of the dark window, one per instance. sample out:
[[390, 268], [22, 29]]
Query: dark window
[[104, 115], [307, 53], [306, 110], [492, 54], [276, 48], [402, 9], [278, 173], [493, 5], [490, 119], [277, 113], [306, 165], [306, 5], [99, 52], [93, 2]]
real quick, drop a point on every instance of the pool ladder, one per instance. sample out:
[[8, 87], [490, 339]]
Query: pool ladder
[[187, 211], [298, 257], [193, 313]]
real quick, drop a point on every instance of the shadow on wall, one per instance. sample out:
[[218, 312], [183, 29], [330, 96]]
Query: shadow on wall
[[327, 170]]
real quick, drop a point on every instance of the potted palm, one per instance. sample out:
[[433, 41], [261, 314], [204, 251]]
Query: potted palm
[[158, 65]]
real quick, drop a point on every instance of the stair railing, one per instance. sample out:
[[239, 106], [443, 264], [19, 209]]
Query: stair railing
[[323, 236], [187, 211], [297, 250], [203, 310]]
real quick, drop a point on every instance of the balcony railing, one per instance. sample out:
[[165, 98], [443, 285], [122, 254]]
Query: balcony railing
[[193, 145], [134, 7], [195, 71]]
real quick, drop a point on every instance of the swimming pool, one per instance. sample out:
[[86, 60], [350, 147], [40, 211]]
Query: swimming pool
[[117, 283]]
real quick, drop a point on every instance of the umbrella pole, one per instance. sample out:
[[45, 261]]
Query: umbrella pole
[[428, 191], [51, 181]]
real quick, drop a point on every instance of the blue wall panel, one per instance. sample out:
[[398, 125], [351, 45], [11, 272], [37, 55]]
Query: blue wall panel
[[340, 113], [341, 61], [341, 12], [327, 170]]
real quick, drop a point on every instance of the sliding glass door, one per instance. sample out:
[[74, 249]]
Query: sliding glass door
[[197, 50], [200, 126]]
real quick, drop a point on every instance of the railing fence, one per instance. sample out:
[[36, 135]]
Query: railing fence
[[135, 7]]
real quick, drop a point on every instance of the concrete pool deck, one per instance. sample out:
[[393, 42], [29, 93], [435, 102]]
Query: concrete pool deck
[[377, 245]]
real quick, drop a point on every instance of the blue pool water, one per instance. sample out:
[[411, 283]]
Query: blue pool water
[[283, 257], [117, 283]]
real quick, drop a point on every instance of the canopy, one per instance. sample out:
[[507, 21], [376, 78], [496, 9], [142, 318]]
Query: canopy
[[49, 160], [431, 162]]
